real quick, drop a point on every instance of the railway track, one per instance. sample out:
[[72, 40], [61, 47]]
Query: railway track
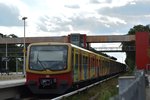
[[82, 89], [59, 97], [25, 94]]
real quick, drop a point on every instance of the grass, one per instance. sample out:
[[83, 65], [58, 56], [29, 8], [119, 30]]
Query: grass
[[102, 91]]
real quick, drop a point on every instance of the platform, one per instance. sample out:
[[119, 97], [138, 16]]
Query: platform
[[11, 83], [10, 88], [148, 89], [11, 76]]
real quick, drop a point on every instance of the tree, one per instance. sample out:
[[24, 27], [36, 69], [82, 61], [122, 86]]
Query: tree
[[12, 48], [130, 56]]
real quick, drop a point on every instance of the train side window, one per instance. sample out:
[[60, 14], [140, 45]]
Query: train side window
[[76, 65], [100, 65], [85, 67], [76, 59], [103, 66], [72, 58], [81, 60], [85, 60], [93, 63]]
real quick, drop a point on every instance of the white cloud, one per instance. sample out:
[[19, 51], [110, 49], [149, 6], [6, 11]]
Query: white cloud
[[97, 4], [120, 56], [10, 30], [119, 3], [73, 12], [24, 11], [62, 17], [101, 46]]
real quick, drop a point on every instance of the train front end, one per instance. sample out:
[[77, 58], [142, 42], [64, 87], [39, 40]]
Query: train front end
[[48, 68]]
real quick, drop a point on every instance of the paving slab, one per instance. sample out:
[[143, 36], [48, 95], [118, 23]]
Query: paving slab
[[148, 89], [11, 83]]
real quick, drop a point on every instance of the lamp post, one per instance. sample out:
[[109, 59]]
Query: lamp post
[[6, 55], [24, 47]]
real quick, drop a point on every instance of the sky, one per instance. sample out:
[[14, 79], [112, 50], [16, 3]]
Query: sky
[[62, 17]]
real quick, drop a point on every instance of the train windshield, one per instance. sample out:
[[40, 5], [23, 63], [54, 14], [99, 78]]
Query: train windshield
[[48, 57]]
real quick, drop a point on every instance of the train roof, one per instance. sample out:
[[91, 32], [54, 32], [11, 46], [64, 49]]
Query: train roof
[[72, 45], [91, 52]]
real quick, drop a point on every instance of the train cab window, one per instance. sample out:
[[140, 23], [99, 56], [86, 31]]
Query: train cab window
[[48, 57]]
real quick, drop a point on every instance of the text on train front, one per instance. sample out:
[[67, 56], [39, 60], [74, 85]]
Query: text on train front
[[48, 57]]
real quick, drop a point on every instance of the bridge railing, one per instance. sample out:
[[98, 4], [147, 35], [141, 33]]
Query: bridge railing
[[132, 87], [126, 48]]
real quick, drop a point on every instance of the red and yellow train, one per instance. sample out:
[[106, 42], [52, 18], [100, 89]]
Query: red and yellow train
[[53, 68]]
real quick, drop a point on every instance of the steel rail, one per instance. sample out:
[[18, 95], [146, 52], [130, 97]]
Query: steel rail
[[82, 89]]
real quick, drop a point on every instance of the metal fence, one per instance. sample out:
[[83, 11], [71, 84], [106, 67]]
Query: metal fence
[[132, 87]]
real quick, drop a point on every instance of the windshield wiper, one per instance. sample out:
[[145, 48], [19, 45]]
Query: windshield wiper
[[38, 61]]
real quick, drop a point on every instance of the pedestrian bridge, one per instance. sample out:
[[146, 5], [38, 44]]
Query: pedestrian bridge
[[115, 49], [89, 39]]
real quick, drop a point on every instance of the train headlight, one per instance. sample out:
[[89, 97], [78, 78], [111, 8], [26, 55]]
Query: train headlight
[[32, 82], [64, 82]]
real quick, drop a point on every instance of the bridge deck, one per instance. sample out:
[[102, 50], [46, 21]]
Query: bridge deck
[[89, 39]]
